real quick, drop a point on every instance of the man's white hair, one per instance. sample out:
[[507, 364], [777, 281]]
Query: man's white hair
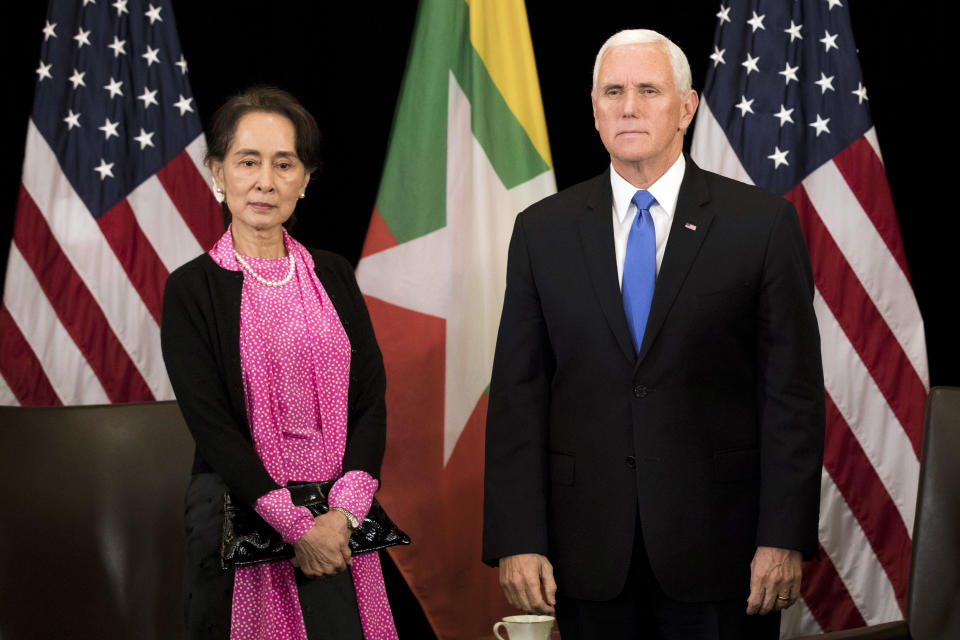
[[678, 60]]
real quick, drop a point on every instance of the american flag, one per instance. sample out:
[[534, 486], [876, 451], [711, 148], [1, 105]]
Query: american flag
[[113, 197], [785, 107]]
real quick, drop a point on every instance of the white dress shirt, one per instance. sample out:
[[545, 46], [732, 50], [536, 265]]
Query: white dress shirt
[[665, 190]]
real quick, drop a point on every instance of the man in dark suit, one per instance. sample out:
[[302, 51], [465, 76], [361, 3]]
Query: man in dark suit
[[656, 416]]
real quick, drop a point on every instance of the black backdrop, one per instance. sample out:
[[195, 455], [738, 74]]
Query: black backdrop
[[345, 61]]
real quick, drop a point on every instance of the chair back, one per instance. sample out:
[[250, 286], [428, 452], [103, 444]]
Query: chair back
[[933, 609], [91, 531]]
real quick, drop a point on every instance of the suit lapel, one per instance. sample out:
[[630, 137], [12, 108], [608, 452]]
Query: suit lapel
[[682, 246], [596, 235]]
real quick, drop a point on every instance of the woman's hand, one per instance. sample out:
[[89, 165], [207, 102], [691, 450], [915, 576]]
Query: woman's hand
[[323, 550]]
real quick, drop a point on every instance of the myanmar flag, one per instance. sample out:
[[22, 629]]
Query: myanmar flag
[[468, 151]]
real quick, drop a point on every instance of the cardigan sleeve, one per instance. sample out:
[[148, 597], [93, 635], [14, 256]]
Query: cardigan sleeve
[[197, 370]]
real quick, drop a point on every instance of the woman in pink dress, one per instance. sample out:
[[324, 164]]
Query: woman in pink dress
[[273, 359]]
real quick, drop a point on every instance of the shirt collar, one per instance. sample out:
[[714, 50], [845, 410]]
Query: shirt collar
[[666, 189]]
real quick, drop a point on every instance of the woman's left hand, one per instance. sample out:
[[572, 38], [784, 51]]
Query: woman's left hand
[[323, 550]]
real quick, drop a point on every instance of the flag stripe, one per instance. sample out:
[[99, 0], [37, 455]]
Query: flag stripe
[[22, 380], [64, 365], [416, 162], [197, 150], [867, 254], [711, 149], [862, 323], [83, 244], [871, 137], [162, 224], [867, 498], [863, 172], [798, 620], [78, 312], [826, 596], [854, 559], [501, 37], [186, 188], [872, 422], [136, 255]]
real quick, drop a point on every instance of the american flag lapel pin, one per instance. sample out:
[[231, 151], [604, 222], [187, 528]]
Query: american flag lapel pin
[[690, 226]]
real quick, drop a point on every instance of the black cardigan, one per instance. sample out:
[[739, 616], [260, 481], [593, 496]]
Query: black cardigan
[[200, 338]]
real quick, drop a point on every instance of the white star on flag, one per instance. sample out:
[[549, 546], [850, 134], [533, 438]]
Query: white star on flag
[[151, 55], [145, 139], [829, 40], [48, 31], [717, 56], [109, 129], [77, 79], [105, 169], [779, 157], [121, 7], [824, 83], [794, 31], [72, 120], [43, 71], [861, 93], [82, 37], [751, 63], [182, 63], [114, 87], [724, 14], [744, 106], [117, 46], [757, 22], [154, 14], [784, 115], [183, 104], [148, 97], [789, 73], [820, 125]]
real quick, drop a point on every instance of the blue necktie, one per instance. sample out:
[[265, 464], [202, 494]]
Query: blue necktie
[[640, 267]]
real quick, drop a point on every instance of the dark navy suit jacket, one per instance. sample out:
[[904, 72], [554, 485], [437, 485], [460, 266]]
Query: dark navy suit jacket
[[710, 439]]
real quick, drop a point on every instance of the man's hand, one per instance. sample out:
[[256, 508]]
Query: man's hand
[[774, 572], [527, 581], [323, 550]]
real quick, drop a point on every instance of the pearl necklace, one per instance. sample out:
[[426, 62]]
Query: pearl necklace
[[261, 279]]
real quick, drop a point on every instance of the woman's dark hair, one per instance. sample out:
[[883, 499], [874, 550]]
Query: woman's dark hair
[[271, 100]]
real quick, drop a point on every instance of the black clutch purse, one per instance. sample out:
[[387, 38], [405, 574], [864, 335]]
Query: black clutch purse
[[247, 539]]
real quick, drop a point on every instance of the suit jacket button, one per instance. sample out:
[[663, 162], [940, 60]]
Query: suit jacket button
[[640, 391], [631, 462]]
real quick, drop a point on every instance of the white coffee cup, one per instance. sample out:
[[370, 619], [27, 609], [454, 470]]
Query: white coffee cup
[[526, 627]]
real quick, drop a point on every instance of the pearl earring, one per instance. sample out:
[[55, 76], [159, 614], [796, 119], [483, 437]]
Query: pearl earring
[[218, 192], [303, 195]]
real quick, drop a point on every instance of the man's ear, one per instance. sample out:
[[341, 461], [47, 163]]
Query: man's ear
[[688, 105], [593, 102]]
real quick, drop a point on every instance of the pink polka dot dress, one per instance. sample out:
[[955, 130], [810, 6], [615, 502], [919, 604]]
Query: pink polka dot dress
[[295, 360]]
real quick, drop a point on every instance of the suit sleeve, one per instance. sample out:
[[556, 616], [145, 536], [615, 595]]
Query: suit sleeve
[[791, 394], [515, 511]]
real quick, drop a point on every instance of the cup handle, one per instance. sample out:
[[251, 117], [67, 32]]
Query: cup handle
[[496, 630]]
